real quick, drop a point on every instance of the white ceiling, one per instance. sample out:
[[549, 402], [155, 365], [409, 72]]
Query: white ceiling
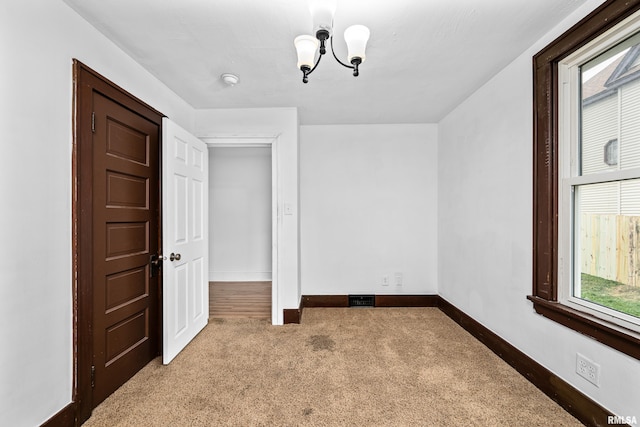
[[423, 58]]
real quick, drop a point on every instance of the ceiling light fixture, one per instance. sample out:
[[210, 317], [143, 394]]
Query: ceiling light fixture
[[356, 37]]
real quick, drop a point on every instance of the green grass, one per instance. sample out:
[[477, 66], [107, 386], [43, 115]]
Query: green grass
[[612, 294]]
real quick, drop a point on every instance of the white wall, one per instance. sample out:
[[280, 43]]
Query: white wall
[[281, 123], [240, 214], [368, 208], [38, 39], [485, 231], [484, 199]]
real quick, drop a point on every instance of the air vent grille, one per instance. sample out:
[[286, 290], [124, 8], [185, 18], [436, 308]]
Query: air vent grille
[[362, 301]]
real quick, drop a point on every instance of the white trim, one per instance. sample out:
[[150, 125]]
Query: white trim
[[626, 321], [240, 141], [566, 167], [252, 140], [276, 226], [240, 276], [605, 176]]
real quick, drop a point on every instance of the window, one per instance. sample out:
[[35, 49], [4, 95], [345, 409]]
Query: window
[[599, 216], [611, 153], [586, 210]]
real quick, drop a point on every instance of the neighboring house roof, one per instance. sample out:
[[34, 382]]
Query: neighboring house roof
[[621, 71], [597, 83]]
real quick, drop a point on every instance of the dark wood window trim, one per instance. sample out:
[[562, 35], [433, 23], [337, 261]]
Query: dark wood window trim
[[545, 177]]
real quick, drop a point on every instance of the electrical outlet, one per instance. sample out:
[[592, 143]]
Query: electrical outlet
[[385, 280], [588, 369], [398, 277]]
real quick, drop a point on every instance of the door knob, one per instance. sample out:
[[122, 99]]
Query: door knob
[[156, 260], [174, 257]]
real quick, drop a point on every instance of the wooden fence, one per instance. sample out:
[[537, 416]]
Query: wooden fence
[[610, 247]]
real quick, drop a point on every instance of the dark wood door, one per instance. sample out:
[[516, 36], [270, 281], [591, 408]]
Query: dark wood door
[[125, 231]]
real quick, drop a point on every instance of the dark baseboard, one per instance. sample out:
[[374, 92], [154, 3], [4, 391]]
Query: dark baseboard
[[292, 315], [572, 400], [380, 300], [407, 300], [325, 301], [66, 417]]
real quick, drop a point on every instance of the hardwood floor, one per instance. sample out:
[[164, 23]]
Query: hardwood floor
[[240, 299]]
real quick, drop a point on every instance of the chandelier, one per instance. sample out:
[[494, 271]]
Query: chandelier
[[356, 37]]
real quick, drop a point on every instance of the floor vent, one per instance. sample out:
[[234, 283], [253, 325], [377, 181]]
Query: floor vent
[[362, 301]]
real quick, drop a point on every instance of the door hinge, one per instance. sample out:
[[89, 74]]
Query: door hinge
[[93, 376], [93, 122]]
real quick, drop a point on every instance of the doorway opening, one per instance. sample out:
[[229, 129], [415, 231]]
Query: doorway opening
[[243, 224]]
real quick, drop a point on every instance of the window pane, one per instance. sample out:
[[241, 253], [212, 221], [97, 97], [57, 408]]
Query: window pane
[[610, 114], [607, 248]]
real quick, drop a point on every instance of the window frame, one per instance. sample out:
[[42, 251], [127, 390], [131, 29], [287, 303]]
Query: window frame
[[572, 175], [546, 203]]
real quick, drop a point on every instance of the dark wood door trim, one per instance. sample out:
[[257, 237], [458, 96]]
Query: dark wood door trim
[[85, 82]]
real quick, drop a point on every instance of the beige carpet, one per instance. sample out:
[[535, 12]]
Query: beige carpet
[[340, 367]]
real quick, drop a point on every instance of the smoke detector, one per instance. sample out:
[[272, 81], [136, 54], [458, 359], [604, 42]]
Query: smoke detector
[[230, 79]]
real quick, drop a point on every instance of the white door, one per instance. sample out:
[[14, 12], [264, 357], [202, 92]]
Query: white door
[[185, 295]]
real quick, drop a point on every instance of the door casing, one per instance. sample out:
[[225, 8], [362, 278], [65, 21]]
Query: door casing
[[270, 141]]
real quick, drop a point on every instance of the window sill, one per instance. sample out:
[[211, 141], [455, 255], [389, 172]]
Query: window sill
[[607, 333]]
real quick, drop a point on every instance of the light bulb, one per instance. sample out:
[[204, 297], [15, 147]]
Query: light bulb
[[356, 37], [306, 46]]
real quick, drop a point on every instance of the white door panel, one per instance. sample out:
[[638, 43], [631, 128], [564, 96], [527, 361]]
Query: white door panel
[[185, 231]]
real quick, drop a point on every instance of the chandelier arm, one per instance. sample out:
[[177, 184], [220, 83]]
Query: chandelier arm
[[315, 66], [340, 62]]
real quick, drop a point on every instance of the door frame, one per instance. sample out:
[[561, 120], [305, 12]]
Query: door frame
[[270, 141], [85, 82]]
